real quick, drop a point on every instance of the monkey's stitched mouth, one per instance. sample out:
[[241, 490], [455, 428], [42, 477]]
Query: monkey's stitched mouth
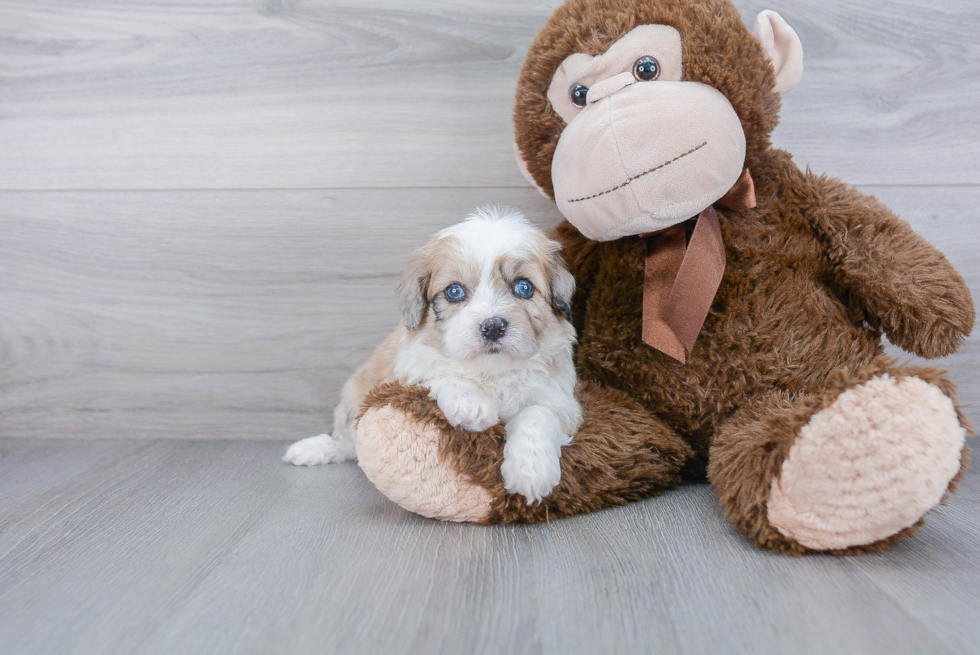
[[638, 175]]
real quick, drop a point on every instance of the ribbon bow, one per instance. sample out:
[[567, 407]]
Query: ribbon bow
[[681, 280]]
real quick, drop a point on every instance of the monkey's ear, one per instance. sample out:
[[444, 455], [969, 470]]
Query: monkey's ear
[[782, 46], [562, 285], [413, 290], [521, 164]]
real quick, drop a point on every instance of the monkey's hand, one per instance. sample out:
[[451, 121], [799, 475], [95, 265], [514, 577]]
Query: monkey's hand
[[906, 287]]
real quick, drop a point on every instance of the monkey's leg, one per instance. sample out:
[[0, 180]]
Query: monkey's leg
[[408, 450], [852, 468]]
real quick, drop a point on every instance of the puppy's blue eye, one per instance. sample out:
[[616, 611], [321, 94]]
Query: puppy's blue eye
[[523, 289], [455, 293]]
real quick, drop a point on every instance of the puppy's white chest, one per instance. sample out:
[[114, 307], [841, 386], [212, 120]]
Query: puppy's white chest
[[510, 396]]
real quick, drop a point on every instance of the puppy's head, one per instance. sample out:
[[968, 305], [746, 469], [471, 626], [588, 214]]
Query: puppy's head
[[490, 288]]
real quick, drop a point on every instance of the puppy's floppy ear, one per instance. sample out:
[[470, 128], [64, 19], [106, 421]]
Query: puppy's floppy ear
[[413, 290], [562, 283]]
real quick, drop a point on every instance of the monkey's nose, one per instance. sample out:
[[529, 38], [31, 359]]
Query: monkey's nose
[[608, 86], [493, 328]]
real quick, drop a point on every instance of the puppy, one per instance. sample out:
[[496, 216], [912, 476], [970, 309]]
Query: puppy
[[487, 328]]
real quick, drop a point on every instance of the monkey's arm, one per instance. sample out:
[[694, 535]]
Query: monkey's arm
[[581, 255], [906, 287]]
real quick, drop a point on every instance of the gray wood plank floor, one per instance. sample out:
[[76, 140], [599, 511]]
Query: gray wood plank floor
[[203, 209], [169, 546]]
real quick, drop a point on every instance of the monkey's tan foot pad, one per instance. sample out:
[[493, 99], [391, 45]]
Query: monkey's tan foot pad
[[400, 456], [869, 465]]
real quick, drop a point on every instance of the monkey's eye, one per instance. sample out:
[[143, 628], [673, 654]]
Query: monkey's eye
[[523, 288], [455, 293], [578, 93], [646, 69]]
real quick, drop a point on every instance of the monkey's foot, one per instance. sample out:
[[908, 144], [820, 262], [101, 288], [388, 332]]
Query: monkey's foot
[[869, 465], [400, 454]]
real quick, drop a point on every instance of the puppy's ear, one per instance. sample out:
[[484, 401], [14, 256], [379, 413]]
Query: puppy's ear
[[562, 284], [413, 291]]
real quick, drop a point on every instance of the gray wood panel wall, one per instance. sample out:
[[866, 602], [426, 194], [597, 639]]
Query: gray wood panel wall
[[204, 205]]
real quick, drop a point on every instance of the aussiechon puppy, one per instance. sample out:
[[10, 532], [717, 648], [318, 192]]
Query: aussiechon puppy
[[486, 327]]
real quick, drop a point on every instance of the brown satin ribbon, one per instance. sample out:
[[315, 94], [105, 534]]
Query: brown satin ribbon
[[681, 280]]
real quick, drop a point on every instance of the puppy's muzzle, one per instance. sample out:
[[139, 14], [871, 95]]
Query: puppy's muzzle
[[494, 328]]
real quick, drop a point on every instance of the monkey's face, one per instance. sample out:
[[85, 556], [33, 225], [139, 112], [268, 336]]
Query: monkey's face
[[642, 149], [679, 98]]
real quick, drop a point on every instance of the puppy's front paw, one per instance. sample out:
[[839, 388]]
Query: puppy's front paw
[[321, 449], [468, 411], [530, 468]]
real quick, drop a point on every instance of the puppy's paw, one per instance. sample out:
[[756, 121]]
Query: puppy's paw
[[321, 449], [532, 453], [531, 471], [468, 411]]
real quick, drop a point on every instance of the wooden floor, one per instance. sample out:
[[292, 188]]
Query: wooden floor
[[170, 546], [203, 209]]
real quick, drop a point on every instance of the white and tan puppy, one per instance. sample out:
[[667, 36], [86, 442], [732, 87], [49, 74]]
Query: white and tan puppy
[[486, 327]]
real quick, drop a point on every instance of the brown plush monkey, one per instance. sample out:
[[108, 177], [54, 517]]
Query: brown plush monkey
[[730, 306]]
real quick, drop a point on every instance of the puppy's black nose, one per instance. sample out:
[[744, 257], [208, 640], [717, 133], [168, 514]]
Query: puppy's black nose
[[493, 328]]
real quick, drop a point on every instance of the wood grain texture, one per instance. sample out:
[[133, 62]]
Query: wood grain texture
[[203, 314], [240, 314], [216, 547], [203, 209], [321, 94]]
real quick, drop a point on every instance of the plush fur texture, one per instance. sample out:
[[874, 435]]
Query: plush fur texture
[[401, 457], [869, 465], [624, 454], [816, 274], [748, 453]]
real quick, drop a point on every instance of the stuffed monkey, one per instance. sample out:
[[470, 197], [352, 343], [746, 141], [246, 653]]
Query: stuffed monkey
[[730, 307]]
